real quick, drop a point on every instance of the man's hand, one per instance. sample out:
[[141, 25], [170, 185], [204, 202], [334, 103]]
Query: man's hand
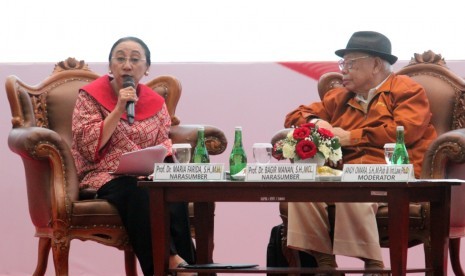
[[323, 124], [344, 135]]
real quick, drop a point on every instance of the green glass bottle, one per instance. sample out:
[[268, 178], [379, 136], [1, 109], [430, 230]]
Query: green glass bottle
[[238, 158], [400, 155], [200, 152]]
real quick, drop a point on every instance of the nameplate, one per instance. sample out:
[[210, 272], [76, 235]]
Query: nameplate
[[377, 173], [188, 171], [280, 172]]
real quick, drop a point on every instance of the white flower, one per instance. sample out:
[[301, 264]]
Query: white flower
[[335, 155], [323, 148], [289, 151], [290, 135]]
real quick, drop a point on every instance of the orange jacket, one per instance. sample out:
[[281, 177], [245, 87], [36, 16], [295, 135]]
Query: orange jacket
[[398, 101]]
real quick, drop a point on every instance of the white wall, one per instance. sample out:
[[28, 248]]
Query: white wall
[[210, 30]]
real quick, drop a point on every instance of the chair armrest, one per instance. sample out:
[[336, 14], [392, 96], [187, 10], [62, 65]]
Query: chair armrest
[[50, 171], [445, 158], [215, 140], [24, 140], [448, 148]]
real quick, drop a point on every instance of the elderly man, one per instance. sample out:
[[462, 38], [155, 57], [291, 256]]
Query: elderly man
[[364, 114]]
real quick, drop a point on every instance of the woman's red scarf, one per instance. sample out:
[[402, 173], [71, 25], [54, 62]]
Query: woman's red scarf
[[149, 103]]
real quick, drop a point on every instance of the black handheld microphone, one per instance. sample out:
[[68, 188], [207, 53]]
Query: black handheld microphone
[[128, 81]]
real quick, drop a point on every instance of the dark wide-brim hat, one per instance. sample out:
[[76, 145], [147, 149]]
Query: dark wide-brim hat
[[369, 42]]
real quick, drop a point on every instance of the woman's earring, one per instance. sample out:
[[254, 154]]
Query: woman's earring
[[146, 73], [110, 72]]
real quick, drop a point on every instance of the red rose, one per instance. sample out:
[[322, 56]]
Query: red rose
[[301, 133], [325, 133], [305, 149], [309, 125]]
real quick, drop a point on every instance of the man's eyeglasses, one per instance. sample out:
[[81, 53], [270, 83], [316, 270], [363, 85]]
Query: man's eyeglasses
[[123, 60], [348, 63]]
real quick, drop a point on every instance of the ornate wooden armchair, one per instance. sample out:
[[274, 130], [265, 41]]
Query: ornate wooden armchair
[[41, 135], [444, 158]]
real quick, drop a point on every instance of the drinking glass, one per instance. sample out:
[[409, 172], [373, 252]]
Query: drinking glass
[[262, 153], [388, 151], [181, 153]]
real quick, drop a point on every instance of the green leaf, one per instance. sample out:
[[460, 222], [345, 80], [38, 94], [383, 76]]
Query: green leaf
[[335, 143]]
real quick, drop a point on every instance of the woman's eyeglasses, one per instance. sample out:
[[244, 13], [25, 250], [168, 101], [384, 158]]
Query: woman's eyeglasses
[[123, 60]]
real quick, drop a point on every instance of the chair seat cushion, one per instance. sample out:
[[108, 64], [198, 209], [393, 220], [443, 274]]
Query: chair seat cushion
[[94, 213], [417, 216]]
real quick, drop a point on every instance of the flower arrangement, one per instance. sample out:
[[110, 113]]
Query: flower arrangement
[[307, 141]]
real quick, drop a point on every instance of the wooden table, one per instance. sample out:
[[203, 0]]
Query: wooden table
[[396, 194]]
